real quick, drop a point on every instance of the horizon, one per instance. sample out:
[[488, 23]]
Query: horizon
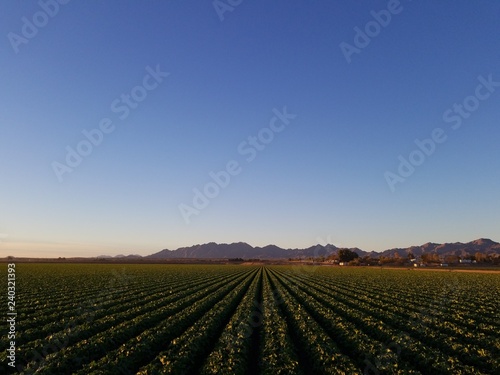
[[134, 128], [241, 242]]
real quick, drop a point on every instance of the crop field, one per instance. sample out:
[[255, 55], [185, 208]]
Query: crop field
[[236, 319]]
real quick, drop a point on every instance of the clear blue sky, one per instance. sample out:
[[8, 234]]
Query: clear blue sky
[[322, 178]]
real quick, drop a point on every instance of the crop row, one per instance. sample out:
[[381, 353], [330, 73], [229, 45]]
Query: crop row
[[164, 319], [430, 315], [143, 348], [186, 353], [130, 304], [233, 351], [96, 339], [317, 350], [449, 295], [61, 344], [424, 348]]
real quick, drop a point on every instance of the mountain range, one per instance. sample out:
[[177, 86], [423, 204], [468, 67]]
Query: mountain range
[[243, 250]]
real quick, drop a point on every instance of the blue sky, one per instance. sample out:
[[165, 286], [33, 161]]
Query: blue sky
[[329, 175]]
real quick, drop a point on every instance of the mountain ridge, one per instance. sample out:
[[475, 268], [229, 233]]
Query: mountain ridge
[[245, 251]]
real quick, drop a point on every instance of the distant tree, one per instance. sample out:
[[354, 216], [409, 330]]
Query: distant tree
[[346, 255], [495, 259], [385, 260], [411, 256], [368, 260], [333, 257], [480, 257], [451, 259], [400, 261], [430, 258], [354, 262]]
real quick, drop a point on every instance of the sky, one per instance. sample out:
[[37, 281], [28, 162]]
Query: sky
[[130, 127]]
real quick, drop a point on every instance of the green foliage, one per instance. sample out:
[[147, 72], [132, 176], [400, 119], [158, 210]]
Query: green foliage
[[346, 255], [232, 319]]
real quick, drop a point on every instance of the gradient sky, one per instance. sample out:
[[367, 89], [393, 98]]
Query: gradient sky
[[321, 179]]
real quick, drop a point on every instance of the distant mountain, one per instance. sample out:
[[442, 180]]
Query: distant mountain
[[209, 250], [243, 250], [482, 245]]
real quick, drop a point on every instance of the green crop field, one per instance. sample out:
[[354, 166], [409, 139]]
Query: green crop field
[[225, 319]]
